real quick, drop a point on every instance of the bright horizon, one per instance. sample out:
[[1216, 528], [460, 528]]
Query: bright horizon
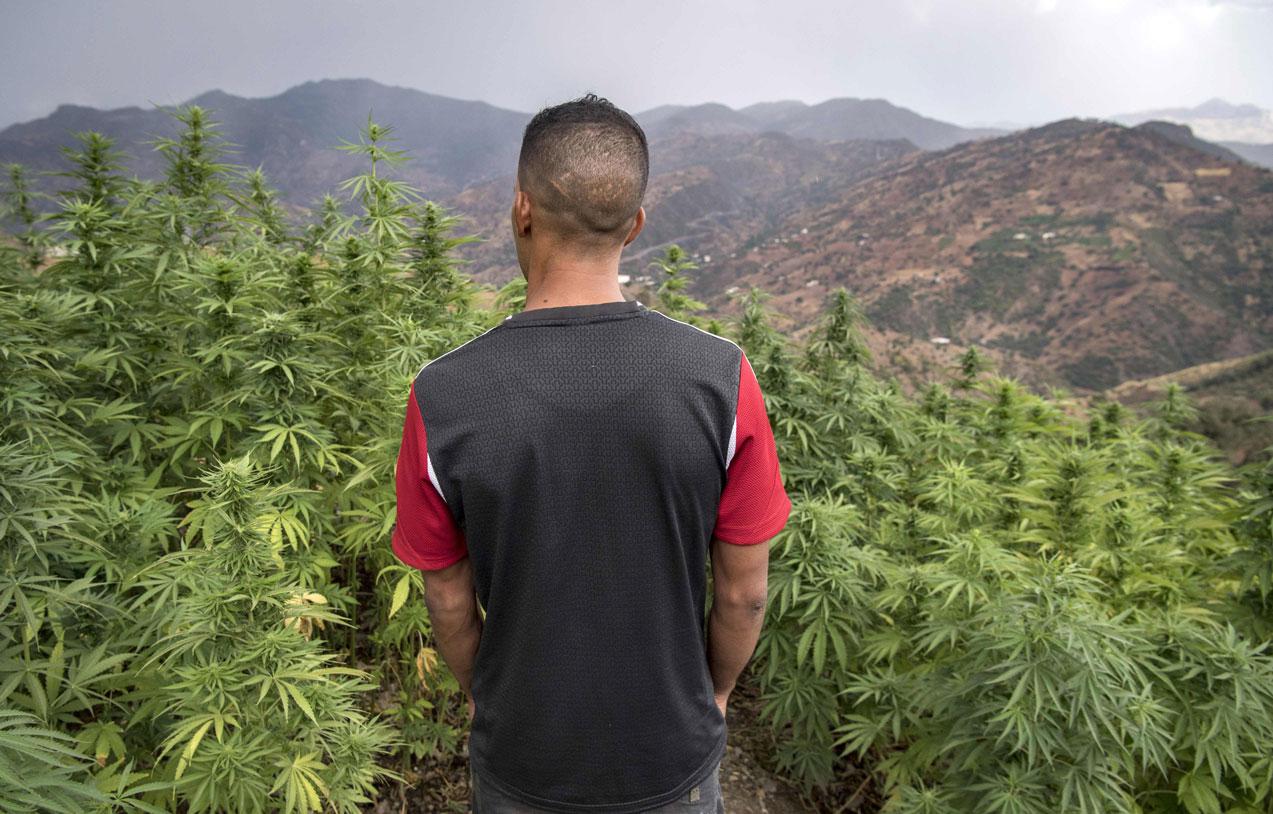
[[811, 103], [977, 61]]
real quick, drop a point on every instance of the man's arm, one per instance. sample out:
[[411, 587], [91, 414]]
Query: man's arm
[[427, 537], [457, 624], [753, 509], [740, 583]]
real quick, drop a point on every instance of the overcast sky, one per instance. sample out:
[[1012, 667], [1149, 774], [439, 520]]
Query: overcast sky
[[965, 61]]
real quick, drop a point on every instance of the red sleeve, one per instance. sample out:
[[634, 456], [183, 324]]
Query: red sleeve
[[426, 535], [754, 506]]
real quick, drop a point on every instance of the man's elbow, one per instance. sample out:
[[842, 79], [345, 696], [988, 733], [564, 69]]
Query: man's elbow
[[448, 602], [450, 591], [746, 600]]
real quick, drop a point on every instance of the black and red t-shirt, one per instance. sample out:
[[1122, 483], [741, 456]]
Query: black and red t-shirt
[[583, 457]]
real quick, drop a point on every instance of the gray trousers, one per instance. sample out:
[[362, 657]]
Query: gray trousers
[[705, 798]]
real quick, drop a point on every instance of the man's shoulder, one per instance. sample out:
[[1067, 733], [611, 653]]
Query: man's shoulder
[[696, 337], [468, 354]]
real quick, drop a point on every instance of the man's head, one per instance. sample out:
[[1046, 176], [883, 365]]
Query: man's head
[[581, 176]]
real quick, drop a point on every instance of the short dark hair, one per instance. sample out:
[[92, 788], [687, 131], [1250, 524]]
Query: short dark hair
[[586, 163]]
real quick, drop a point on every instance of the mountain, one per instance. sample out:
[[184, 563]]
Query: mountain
[[832, 120], [708, 193], [1183, 135], [708, 119], [1261, 154], [454, 143], [845, 119], [1081, 253], [1214, 120], [768, 112]]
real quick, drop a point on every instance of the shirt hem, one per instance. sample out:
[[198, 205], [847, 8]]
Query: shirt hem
[[408, 556], [759, 534], [629, 807]]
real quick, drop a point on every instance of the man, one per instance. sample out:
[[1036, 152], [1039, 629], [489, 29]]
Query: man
[[569, 469]]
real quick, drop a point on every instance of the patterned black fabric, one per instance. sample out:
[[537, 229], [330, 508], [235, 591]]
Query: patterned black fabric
[[582, 451]]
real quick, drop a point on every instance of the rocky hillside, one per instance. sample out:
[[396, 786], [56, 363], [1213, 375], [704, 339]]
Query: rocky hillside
[[1084, 253]]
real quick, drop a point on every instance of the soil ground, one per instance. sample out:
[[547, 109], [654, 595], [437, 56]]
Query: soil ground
[[746, 786]]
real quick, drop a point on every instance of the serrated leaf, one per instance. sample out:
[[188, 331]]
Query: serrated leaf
[[400, 593]]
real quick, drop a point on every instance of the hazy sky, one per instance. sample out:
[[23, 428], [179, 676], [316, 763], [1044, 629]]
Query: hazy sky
[[964, 61]]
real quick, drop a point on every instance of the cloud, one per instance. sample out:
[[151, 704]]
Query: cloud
[[1261, 5], [921, 11]]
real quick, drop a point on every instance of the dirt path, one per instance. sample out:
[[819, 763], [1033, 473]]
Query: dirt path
[[748, 789], [746, 786]]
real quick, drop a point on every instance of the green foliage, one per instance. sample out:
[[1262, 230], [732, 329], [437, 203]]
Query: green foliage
[[19, 208], [40, 770], [671, 297], [998, 605], [1253, 520], [201, 405]]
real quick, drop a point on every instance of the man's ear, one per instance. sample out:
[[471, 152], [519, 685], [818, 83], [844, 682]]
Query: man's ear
[[521, 212], [636, 227]]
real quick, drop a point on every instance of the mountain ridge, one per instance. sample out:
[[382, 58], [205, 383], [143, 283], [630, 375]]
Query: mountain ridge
[[836, 119], [319, 113], [1214, 120], [1142, 249]]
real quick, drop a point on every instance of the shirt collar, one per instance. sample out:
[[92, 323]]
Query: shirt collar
[[571, 313]]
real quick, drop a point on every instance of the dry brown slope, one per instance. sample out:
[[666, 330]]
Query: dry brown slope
[[1089, 252], [1234, 398]]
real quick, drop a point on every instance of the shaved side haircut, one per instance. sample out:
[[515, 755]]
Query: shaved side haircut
[[585, 164]]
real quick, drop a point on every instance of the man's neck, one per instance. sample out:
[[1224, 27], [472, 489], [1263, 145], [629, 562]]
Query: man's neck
[[573, 283]]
